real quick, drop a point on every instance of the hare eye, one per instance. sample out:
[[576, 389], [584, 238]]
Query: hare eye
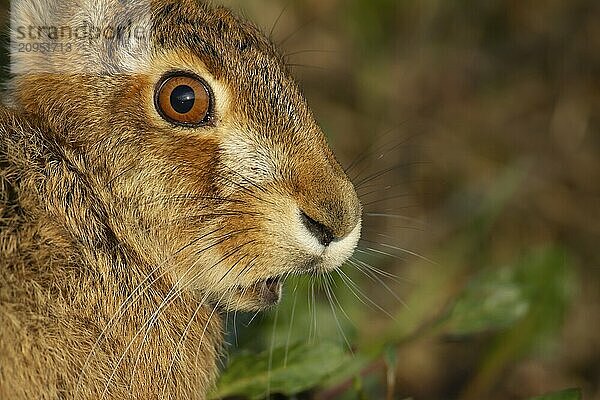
[[184, 99]]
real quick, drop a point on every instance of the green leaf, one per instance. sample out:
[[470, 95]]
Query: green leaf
[[290, 371], [492, 301], [569, 394], [538, 286], [545, 279]]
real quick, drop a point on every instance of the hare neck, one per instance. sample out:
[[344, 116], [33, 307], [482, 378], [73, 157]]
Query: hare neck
[[71, 267]]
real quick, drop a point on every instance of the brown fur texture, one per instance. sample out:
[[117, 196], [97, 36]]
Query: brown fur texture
[[122, 236]]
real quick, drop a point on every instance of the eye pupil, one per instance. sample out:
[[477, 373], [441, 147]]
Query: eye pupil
[[182, 99]]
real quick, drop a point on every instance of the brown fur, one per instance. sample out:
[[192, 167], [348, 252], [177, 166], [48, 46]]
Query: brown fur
[[122, 237]]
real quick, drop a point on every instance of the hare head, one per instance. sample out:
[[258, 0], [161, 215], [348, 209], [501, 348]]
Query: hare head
[[195, 138]]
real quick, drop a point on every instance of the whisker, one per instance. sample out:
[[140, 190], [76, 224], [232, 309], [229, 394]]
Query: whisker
[[313, 333], [378, 186], [386, 171], [377, 279], [382, 150], [246, 190], [180, 342], [247, 267], [371, 149], [246, 179], [192, 217], [294, 53], [232, 252], [125, 305], [342, 274], [151, 321], [306, 66], [182, 338], [337, 321], [170, 296], [121, 174], [270, 362], [412, 253], [394, 216], [206, 325], [289, 334], [332, 282], [141, 199], [277, 20], [379, 271], [351, 285], [400, 196], [252, 319], [378, 191], [405, 227], [295, 32], [146, 326]]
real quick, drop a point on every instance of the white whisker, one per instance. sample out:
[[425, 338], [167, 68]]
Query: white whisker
[[270, 362], [125, 305], [365, 270], [379, 271], [377, 306], [409, 252], [289, 334], [337, 321]]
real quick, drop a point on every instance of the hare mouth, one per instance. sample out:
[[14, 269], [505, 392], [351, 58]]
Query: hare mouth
[[267, 290]]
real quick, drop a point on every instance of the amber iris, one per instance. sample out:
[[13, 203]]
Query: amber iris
[[184, 100]]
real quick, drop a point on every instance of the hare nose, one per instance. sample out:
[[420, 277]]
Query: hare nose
[[320, 231]]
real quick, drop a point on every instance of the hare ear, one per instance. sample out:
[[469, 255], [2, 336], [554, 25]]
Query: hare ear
[[79, 36]]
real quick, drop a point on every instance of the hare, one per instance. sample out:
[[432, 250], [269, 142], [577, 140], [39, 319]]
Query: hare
[[159, 166]]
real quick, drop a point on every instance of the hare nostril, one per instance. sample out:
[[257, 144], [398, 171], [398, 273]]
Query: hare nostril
[[323, 234]]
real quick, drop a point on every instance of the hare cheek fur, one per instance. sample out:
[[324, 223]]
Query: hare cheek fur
[[114, 206]]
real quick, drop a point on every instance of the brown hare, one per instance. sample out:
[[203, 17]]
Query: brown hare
[[159, 166]]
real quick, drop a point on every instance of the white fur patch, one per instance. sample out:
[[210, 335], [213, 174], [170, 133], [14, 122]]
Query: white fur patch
[[339, 251], [89, 36], [333, 255]]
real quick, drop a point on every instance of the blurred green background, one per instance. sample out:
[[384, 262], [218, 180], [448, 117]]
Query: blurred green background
[[471, 130]]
